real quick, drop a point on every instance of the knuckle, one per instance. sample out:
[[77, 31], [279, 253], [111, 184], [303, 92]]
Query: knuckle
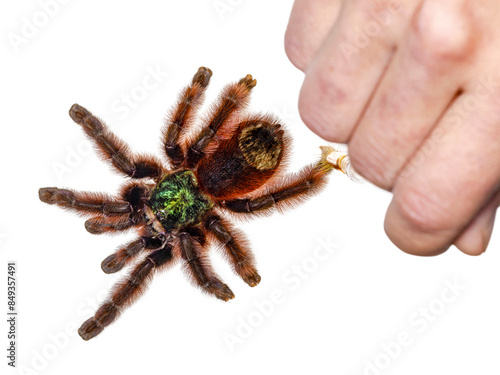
[[294, 49], [374, 9], [316, 100], [440, 38]]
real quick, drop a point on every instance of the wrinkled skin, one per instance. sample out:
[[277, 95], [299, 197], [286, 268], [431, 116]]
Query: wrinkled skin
[[413, 87]]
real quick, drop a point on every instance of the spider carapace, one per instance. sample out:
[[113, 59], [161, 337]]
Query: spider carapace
[[232, 164]]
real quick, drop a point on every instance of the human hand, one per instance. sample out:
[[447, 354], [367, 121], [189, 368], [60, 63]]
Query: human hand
[[414, 88]]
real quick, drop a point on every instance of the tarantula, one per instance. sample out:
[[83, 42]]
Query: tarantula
[[230, 165]]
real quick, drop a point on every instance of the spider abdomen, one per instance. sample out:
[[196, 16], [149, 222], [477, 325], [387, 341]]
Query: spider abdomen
[[245, 161], [177, 201]]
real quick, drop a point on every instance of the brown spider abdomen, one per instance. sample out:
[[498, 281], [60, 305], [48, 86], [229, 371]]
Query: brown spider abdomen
[[244, 161]]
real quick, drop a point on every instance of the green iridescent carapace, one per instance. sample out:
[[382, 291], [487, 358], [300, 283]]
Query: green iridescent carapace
[[176, 201]]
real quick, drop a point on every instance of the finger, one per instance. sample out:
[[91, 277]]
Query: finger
[[474, 240], [451, 177], [308, 26], [421, 81], [346, 70]]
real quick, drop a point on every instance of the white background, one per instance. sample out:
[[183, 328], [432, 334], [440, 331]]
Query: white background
[[335, 318]]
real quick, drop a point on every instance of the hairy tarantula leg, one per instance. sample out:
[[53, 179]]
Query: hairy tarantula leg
[[101, 224], [86, 203], [113, 149], [116, 261], [293, 189], [233, 98], [177, 122], [200, 269], [236, 248], [126, 292]]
